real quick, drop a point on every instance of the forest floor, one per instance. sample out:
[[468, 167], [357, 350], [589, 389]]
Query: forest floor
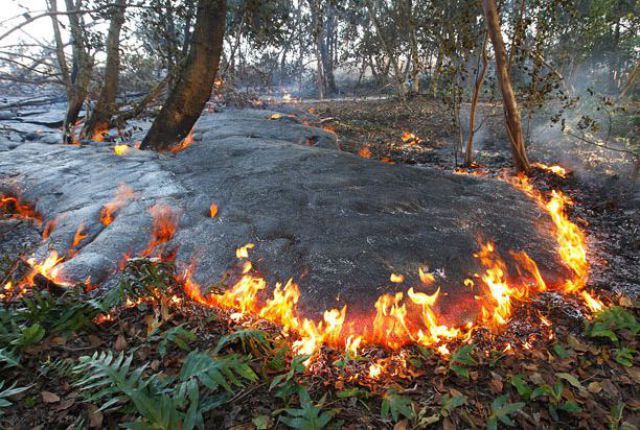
[[552, 366]]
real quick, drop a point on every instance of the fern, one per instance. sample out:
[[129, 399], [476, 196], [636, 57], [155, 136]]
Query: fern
[[60, 369], [9, 358], [214, 373], [251, 340], [162, 403], [176, 335], [8, 392], [309, 416]]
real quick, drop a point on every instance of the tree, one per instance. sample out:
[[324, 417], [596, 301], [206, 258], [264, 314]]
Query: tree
[[195, 81], [100, 118], [511, 111], [81, 71]]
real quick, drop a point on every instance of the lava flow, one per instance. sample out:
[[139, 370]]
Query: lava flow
[[399, 319]]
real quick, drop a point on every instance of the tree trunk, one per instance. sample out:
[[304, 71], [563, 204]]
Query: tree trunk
[[81, 74], [106, 104], [632, 78], [62, 60], [193, 86], [399, 78], [468, 154], [511, 110]]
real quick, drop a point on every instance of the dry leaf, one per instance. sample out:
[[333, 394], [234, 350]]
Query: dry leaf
[[401, 425], [49, 397], [121, 343], [594, 387], [495, 386], [95, 417]]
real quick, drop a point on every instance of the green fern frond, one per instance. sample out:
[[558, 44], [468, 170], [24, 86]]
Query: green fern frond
[[214, 373]]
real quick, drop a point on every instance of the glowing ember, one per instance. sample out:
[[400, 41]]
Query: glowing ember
[[408, 137], [123, 195], [396, 278], [365, 152], [555, 169]]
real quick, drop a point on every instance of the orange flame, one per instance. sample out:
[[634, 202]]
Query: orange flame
[[213, 210], [165, 222], [18, 209], [109, 210], [555, 169], [364, 152]]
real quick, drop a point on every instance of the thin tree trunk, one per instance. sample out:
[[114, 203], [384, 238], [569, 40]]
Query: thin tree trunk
[[632, 78], [511, 110], [106, 105], [193, 86], [81, 74], [468, 154], [399, 78], [62, 60]]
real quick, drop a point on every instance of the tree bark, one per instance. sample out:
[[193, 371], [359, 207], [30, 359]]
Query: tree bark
[[632, 78], [106, 105], [511, 110], [81, 74], [193, 86]]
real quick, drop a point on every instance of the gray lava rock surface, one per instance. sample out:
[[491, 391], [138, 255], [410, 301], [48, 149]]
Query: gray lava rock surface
[[338, 224]]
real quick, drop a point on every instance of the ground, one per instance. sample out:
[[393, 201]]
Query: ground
[[554, 366]]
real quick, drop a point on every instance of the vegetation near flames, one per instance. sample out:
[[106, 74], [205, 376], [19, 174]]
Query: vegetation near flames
[[488, 123]]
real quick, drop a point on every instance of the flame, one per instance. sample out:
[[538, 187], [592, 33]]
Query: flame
[[213, 210], [18, 209], [425, 277], [184, 144], [593, 303], [555, 169], [396, 278], [48, 228], [48, 268], [79, 236], [364, 152], [121, 150], [109, 210], [243, 251], [572, 246], [165, 222], [408, 137]]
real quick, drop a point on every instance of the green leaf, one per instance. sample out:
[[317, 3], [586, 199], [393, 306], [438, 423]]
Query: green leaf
[[624, 356], [217, 372], [521, 386], [570, 407], [449, 404], [397, 405], [309, 416], [501, 411], [571, 380]]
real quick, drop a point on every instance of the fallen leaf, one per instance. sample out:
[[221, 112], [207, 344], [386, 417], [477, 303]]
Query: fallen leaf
[[448, 425], [594, 387], [401, 425], [262, 422], [49, 397], [495, 386], [95, 417], [121, 343]]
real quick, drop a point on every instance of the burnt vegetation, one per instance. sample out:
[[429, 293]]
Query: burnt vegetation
[[541, 95]]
